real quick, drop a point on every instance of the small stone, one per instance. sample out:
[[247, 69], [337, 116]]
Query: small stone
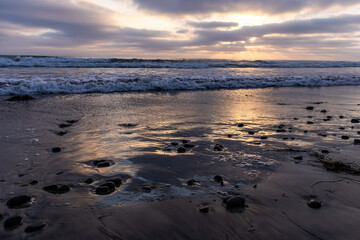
[[63, 189], [174, 143], [34, 182], [356, 141], [358, 132], [204, 209], [341, 128], [309, 122], [64, 125], [355, 120], [280, 130], [241, 125], [263, 137], [102, 163], [191, 182], [309, 108], [309, 116], [35, 227], [109, 185], [298, 158], [325, 151], [218, 178], [296, 118], [56, 149], [21, 98], [116, 181], [229, 136], [146, 189], [19, 201], [251, 132], [329, 117], [323, 111], [345, 137], [314, 203], [188, 145], [60, 133], [181, 150], [51, 188], [218, 147], [72, 121], [235, 202], [89, 181], [341, 117], [12, 222], [185, 141], [102, 190]]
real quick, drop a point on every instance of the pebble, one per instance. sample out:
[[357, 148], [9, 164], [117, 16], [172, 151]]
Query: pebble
[[218, 147], [309, 122], [325, 151], [191, 182], [60, 133], [358, 132], [34, 182], [251, 132], [19, 201], [309, 108], [72, 121], [63, 189], [188, 145], [89, 181], [241, 125], [345, 137], [12, 222], [102, 190], [314, 203], [109, 185], [102, 163], [56, 189], [20, 98], [116, 181], [323, 111], [218, 178], [355, 120], [35, 227], [185, 141], [146, 189], [298, 158], [64, 125], [56, 149], [204, 209], [263, 137], [341, 128], [181, 150], [174, 143], [235, 202], [341, 117], [356, 141]]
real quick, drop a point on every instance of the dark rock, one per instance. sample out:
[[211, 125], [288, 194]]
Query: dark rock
[[12, 222], [314, 203], [34, 182], [251, 132], [218, 178], [191, 182], [341, 117], [19, 98], [129, 125], [174, 143], [309, 108], [306, 131], [102, 163], [19, 201], [185, 141], [298, 158], [263, 137], [309, 116], [59, 173], [109, 185], [326, 119], [322, 135], [255, 186], [89, 181], [102, 190], [60, 133], [204, 209], [296, 118], [235, 202], [218, 147], [285, 138], [355, 120], [329, 117], [116, 181], [280, 130], [229, 136], [35, 227], [146, 189], [181, 150], [309, 122], [64, 125], [72, 121], [56, 149], [241, 125], [341, 128], [323, 111], [358, 132], [345, 137], [188, 145], [325, 151], [356, 141], [63, 189], [51, 188]]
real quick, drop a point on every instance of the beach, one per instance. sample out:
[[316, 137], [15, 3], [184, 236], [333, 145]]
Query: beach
[[181, 156]]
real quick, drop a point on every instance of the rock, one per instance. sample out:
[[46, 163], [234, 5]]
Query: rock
[[345, 137], [102, 163], [89, 181], [356, 141], [146, 189], [185, 141], [314, 203], [229, 136], [63, 189], [251, 132], [188, 145], [56, 149], [191, 182], [355, 120], [218, 147], [181, 150], [341, 117], [323, 111], [235, 202], [309, 116], [358, 132], [218, 178], [102, 190], [19, 98], [72, 121], [309, 108], [280, 130], [298, 158], [12, 222], [64, 125], [241, 125], [296, 118], [306, 131], [204, 209], [35, 227], [329, 117], [116, 181], [285, 138], [129, 125], [34, 182], [19, 201], [56, 189], [60, 133], [341, 128], [109, 185], [325, 151], [174, 143], [263, 137], [309, 122]]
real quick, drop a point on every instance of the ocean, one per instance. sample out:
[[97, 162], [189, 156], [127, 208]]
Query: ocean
[[59, 75]]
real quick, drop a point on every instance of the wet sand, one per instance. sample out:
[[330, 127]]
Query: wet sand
[[276, 148]]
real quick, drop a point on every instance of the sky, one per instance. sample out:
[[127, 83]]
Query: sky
[[176, 29]]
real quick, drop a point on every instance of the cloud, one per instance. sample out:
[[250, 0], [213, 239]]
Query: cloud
[[213, 24], [225, 6]]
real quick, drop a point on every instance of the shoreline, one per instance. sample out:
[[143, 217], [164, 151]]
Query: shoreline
[[135, 132]]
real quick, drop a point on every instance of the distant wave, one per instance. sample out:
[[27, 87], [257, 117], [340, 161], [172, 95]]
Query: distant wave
[[61, 62]]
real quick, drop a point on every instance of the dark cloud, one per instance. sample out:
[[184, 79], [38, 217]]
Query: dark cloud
[[210, 6], [213, 24]]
